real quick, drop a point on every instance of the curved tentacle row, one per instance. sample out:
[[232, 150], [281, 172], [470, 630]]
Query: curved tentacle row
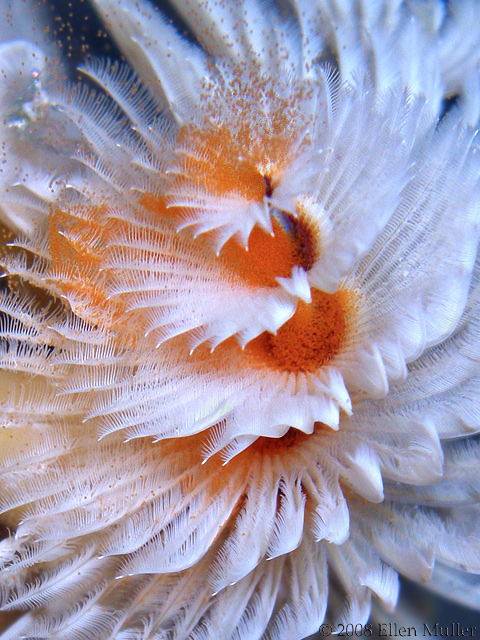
[[239, 337]]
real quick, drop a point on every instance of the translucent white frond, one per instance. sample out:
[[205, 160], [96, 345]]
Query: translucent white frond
[[19, 265], [99, 121], [307, 587], [397, 549], [247, 32], [37, 447], [287, 531], [461, 587], [153, 47], [22, 556], [380, 37], [331, 518], [402, 539], [57, 582], [367, 570], [431, 270], [359, 147], [28, 120], [248, 542], [459, 54], [409, 452], [441, 389], [354, 607], [460, 484], [178, 546], [136, 102]]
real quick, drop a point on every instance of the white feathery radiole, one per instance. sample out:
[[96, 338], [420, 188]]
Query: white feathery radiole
[[239, 355]]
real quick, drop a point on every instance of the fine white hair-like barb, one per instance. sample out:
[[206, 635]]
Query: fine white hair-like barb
[[239, 341]]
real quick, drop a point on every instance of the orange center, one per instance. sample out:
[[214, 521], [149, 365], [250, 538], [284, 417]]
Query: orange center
[[271, 256], [311, 338]]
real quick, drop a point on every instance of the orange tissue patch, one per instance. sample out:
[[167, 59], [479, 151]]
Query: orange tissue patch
[[70, 252], [271, 256], [214, 161], [76, 244], [312, 337], [156, 204]]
